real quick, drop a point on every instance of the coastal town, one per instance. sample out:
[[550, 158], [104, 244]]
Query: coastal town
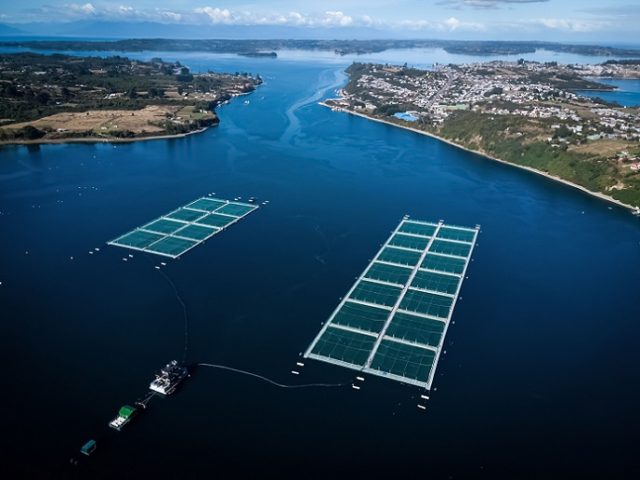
[[533, 114]]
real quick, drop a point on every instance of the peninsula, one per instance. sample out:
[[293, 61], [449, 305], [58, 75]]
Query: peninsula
[[527, 114], [60, 98]]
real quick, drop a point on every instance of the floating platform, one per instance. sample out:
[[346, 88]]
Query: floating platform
[[177, 232], [393, 321]]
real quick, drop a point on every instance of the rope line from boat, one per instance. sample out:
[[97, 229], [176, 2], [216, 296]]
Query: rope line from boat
[[185, 315], [268, 380]]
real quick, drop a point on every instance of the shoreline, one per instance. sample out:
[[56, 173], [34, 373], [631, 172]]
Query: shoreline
[[599, 195], [53, 141]]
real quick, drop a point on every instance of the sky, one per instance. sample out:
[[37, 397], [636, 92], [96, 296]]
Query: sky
[[558, 20]]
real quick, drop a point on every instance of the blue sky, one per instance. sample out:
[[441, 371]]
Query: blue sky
[[577, 20]]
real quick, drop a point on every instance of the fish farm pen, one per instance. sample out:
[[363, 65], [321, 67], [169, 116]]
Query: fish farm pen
[[393, 321], [178, 232]]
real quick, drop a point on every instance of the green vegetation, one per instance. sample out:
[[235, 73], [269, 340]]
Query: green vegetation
[[568, 143], [33, 86], [486, 134]]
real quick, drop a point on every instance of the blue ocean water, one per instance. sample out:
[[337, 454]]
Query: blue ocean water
[[627, 93], [540, 378]]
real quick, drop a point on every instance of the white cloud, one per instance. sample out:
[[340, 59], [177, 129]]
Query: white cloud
[[330, 19], [216, 15], [571, 25], [87, 8], [171, 16], [451, 24], [336, 19], [459, 4]]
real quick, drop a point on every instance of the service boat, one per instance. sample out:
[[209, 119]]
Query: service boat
[[125, 414], [168, 379]]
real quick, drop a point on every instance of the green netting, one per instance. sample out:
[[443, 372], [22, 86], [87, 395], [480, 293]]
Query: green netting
[[414, 333], [362, 317], [403, 360], [417, 228], [416, 329], [164, 226], [456, 234], [350, 347], [185, 214], [235, 209], [408, 241], [215, 220], [401, 257], [376, 293], [138, 239], [444, 264], [196, 232], [450, 248], [206, 204], [427, 303], [172, 246], [175, 233], [436, 281], [388, 273]]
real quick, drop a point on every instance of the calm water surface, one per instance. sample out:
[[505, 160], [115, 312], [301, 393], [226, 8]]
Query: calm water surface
[[540, 377], [627, 93]]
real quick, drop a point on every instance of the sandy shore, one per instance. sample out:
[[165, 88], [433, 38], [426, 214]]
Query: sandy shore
[[45, 141], [601, 196]]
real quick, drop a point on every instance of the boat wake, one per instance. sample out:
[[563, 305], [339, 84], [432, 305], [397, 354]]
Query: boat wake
[[294, 123]]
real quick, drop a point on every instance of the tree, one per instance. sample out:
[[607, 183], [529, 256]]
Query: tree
[[43, 97]]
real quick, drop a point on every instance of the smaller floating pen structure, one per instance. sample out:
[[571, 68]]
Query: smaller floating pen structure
[[393, 321], [178, 232]]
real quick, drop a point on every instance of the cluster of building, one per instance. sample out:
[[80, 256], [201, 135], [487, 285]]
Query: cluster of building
[[525, 89]]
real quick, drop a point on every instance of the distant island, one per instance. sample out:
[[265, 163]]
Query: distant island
[[259, 54], [528, 114], [60, 98], [340, 47]]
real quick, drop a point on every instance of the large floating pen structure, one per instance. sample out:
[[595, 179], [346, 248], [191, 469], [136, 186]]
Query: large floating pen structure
[[393, 321], [179, 231]]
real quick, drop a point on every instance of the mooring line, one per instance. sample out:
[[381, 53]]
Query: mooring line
[[268, 380], [185, 315]]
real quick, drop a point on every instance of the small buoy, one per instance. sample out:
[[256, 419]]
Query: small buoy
[[295, 372], [422, 407], [97, 249], [360, 379], [355, 387], [163, 264], [425, 397], [157, 267], [70, 258], [26, 252], [90, 252], [130, 256], [124, 259]]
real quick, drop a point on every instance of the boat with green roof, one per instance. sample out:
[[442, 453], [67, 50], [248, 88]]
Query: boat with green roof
[[125, 414]]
